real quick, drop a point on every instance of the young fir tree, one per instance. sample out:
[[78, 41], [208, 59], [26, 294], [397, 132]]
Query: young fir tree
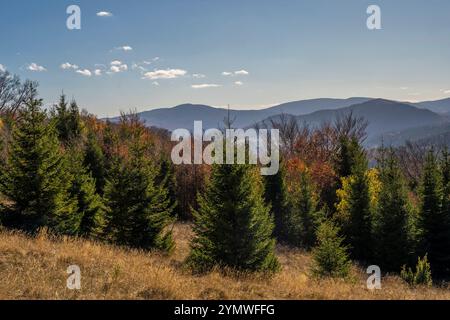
[[393, 219], [307, 217], [275, 195], [330, 255], [67, 120], [35, 182], [91, 209], [139, 212], [433, 220], [166, 179], [233, 226], [94, 161], [354, 212]]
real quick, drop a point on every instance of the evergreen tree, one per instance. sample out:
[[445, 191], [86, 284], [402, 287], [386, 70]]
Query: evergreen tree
[[138, 210], [275, 195], [233, 226], [306, 218], [166, 179], [35, 182], [90, 205], [433, 219], [393, 218], [330, 255], [354, 211], [68, 120], [94, 161]]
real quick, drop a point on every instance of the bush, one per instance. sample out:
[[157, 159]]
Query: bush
[[330, 255], [422, 275]]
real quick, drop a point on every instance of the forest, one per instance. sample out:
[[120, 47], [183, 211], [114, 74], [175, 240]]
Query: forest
[[72, 174]]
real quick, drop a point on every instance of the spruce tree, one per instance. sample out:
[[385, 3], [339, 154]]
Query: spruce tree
[[68, 120], [330, 257], [166, 179], [393, 231], [35, 182], [139, 212], [354, 211], [433, 218], [233, 226], [306, 216], [94, 161], [276, 196], [90, 214]]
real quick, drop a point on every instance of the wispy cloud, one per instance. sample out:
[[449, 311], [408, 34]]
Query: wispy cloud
[[98, 72], [84, 72], [164, 74], [205, 86], [68, 65], [36, 68], [235, 73], [239, 83], [241, 73], [198, 76], [104, 14], [2, 68], [124, 48]]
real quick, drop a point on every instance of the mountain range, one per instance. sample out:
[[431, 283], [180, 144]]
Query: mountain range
[[391, 121]]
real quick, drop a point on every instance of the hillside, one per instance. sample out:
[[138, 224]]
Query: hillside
[[183, 116], [36, 269]]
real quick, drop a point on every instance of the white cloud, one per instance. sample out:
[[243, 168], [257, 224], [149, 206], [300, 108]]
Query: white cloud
[[2, 68], [241, 73], [447, 91], [84, 72], [239, 83], [165, 74], [404, 88], [68, 65], [104, 14], [235, 73], [117, 66], [198, 76], [36, 68], [205, 85], [125, 48], [155, 83], [98, 72]]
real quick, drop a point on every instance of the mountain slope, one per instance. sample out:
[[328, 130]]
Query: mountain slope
[[383, 116], [438, 106], [183, 116]]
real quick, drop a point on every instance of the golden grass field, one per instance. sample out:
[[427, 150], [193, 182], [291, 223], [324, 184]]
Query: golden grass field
[[35, 268]]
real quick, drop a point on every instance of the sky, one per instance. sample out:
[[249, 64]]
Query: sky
[[145, 54]]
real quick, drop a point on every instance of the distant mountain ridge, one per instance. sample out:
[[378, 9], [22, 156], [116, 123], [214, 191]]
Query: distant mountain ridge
[[387, 119]]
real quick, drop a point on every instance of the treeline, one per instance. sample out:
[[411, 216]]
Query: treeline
[[67, 171]]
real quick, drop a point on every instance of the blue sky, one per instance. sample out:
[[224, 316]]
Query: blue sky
[[272, 51]]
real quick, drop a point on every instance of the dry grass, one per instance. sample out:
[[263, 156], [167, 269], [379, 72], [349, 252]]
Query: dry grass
[[36, 269]]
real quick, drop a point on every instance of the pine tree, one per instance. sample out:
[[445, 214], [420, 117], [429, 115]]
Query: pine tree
[[330, 255], [306, 218], [433, 220], [233, 226], [166, 179], [90, 214], [68, 120], [393, 231], [275, 195], [354, 211], [36, 182], [138, 210], [94, 161]]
